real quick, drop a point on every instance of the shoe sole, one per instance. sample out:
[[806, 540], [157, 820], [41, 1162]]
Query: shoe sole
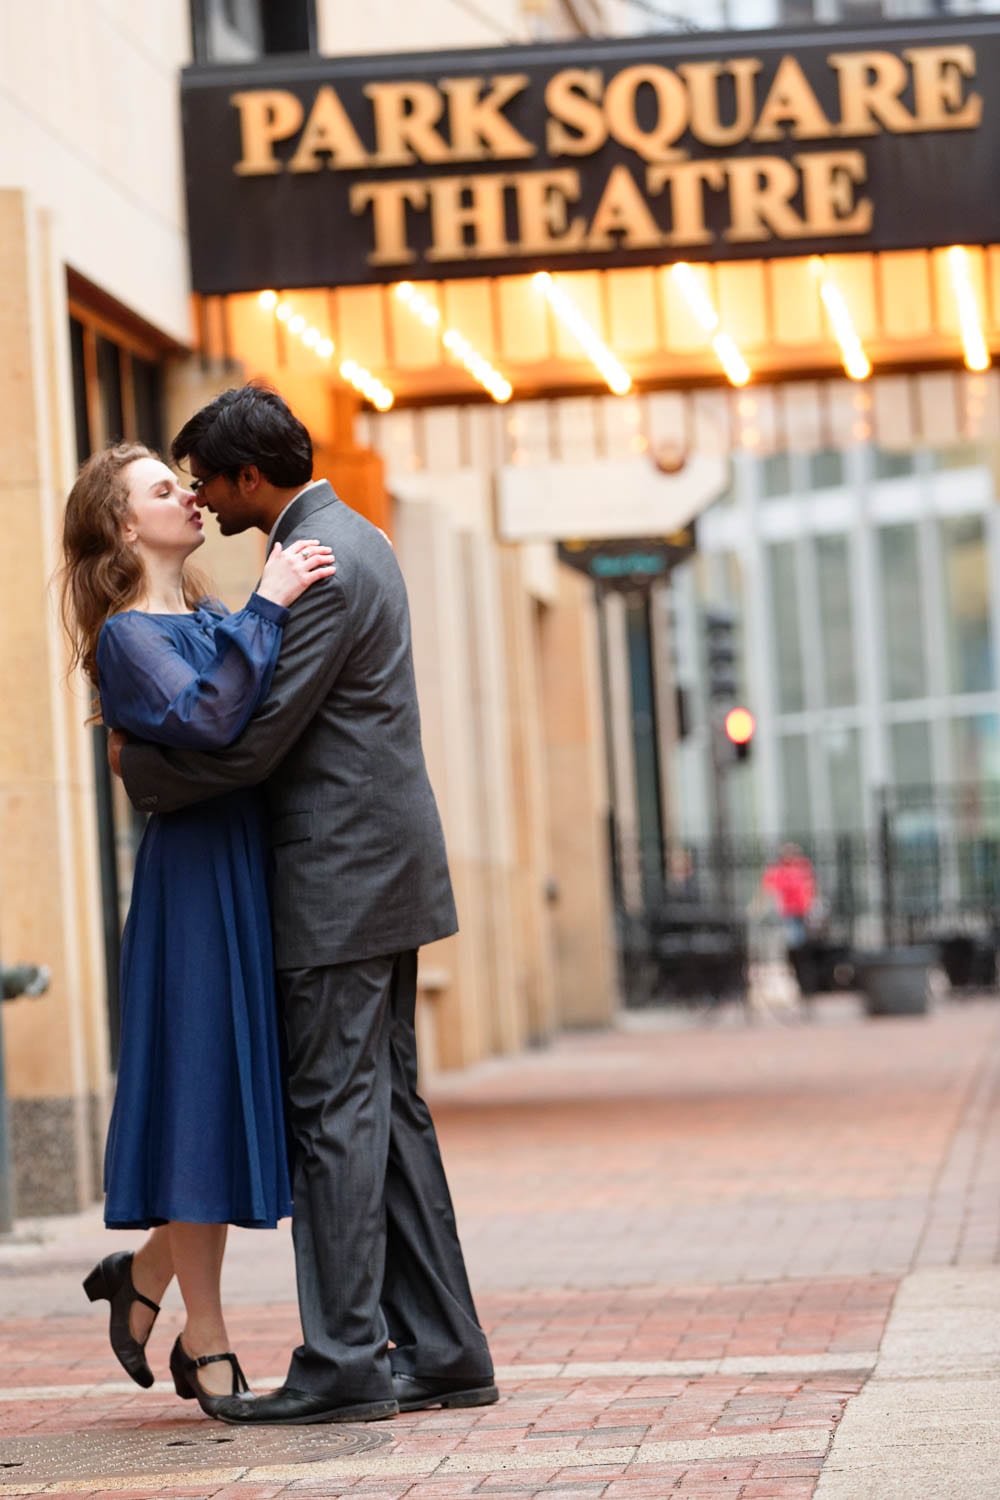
[[483, 1395], [372, 1411]]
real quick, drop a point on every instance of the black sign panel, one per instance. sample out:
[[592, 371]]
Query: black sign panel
[[629, 563], [641, 151]]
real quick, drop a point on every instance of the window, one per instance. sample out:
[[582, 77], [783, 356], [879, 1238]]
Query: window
[[976, 746], [109, 386], [239, 30], [796, 803], [117, 384], [775, 475], [842, 748], [892, 465], [959, 456], [826, 469], [786, 628], [836, 622], [967, 604], [902, 610], [912, 762]]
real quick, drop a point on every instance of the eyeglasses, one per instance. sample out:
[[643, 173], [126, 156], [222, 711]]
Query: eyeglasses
[[197, 485]]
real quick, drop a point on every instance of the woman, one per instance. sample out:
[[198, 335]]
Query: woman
[[196, 1140]]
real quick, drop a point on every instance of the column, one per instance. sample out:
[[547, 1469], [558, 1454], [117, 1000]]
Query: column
[[56, 1047]]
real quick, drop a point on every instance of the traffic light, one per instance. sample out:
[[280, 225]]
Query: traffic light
[[732, 726], [739, 725], [720, 655]]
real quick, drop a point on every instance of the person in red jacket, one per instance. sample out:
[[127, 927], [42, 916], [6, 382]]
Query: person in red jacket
[[791, 881]]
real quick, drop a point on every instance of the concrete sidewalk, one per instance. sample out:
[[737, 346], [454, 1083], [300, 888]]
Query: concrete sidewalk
[[721, 1263]]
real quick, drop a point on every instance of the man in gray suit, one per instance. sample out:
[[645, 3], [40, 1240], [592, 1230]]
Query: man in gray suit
[[360, 882]]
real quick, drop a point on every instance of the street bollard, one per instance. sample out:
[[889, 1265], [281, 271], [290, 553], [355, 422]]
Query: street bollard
[[30, 981]]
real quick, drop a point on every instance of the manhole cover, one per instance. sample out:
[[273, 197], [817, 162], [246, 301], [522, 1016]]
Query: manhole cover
[[176, 1447]]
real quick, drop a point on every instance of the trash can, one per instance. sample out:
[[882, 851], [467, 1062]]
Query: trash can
[[896, 981]]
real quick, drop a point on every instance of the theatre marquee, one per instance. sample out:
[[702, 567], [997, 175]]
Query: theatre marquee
[[590, 155]]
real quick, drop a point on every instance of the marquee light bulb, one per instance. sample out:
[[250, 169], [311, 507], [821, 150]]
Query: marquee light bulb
[[614, 374], [857, 365], [975, 350], [723, 346], [456, 343], [268, 301], [368, 384]]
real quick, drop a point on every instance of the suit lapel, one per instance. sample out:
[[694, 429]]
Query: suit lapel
[[315, 498]]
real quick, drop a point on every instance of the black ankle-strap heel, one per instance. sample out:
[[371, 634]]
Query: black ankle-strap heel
[[111, 1279], [184, 1369]]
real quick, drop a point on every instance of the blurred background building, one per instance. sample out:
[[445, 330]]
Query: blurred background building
[[850, 525]]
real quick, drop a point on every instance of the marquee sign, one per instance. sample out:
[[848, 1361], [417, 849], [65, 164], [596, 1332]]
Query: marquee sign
[[640, 151]]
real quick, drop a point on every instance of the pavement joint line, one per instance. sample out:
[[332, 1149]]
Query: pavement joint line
[[854, 1362], [796, 1441]]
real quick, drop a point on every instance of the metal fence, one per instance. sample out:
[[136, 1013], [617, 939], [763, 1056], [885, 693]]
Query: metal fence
[[927, 870]]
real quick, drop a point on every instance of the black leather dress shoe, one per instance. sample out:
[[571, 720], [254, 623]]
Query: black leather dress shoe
[[415, 1393], [286, 1407]]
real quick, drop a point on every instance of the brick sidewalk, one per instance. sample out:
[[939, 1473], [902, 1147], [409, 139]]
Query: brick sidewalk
[[685, 1244]]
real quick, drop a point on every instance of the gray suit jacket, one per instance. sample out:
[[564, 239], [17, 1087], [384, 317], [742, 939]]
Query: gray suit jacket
[[360, 863]]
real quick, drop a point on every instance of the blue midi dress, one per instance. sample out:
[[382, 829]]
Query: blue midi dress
[[197, 1130]]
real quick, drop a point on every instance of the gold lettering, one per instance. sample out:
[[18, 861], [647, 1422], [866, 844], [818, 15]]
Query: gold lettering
[[870, 86], [761, 189], [328, 130], [467, 203], [405, 116], [620, 103], [623, 211], [478, 126], [828, 198], [388, 202], [572, 98], [686, 183], [938, 88], [702, 80], [543, 200], [266, 116], [791, 100]]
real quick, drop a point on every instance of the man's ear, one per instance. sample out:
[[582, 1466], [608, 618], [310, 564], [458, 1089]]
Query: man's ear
[[250, 478]]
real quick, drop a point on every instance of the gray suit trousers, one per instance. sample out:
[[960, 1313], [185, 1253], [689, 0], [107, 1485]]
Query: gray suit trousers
[[377, 1254]]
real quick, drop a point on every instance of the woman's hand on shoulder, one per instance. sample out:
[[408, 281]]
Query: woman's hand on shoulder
[[289, 571]]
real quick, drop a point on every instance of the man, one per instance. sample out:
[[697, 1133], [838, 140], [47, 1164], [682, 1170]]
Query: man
[[360, 882]]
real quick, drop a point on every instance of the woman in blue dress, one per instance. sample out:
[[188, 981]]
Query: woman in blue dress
[[196, 1140]]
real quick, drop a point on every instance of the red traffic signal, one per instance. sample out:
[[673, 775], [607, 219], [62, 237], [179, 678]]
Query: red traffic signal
[[740, 725]]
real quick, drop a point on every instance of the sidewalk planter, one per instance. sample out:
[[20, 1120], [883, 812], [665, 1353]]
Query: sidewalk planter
[[969, 960], [895, 981]]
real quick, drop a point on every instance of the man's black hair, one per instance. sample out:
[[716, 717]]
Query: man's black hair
[[249, 425]]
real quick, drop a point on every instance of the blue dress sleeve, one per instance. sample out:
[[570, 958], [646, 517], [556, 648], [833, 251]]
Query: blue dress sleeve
[[150, 689]]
